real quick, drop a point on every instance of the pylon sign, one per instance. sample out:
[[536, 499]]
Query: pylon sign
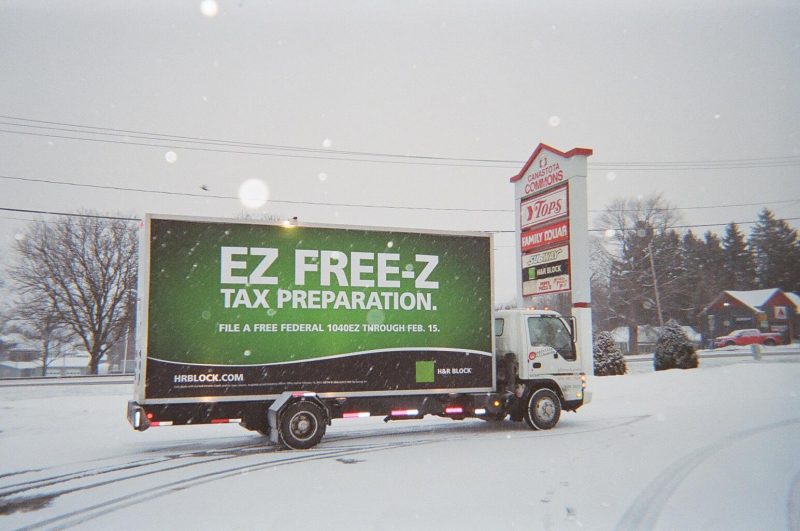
[[545, 190], [551, 207]]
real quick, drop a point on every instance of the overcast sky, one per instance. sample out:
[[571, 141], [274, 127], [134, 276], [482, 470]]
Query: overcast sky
[[706, 95]]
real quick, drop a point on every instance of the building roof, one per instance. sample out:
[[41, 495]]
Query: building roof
[[795, 298], [754, 298]]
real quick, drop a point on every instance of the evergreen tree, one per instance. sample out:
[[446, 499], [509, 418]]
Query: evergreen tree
[[701, 280], [739, 270], [713, 264], [777, 253], [674, 350], [608, 359], [695, 284]]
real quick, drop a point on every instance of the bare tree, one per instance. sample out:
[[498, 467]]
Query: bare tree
[[85, 267], [601, 262], [635, 226], [5, 344], [624, 216]]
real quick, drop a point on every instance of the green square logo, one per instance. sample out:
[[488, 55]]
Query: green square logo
[[425, 371]]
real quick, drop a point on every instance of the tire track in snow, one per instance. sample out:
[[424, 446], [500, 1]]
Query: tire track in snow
[[646, 509], [85, 514], [332, 449], [85, 473]]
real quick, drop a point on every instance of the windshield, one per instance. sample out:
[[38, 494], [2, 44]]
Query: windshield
[[551, 332]]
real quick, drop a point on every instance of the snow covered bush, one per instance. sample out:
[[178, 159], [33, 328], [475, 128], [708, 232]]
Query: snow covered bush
[[608, 359], [674, 350]]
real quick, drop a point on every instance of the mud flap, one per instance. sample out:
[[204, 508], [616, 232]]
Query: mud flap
[[274, 418]]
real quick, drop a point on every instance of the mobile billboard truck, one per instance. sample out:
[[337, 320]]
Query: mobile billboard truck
[[283, 328]]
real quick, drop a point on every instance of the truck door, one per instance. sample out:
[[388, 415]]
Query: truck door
[[552, 349]]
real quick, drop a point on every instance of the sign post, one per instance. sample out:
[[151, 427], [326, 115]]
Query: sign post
[[551, 207]]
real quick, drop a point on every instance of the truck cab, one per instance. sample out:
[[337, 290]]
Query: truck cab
[[538, 365]]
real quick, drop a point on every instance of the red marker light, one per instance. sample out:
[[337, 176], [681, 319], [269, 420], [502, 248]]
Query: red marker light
[[405, 413], [531, 356], [355, 415]]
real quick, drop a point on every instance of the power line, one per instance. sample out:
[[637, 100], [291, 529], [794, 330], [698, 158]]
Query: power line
[[702, 207], [66, 214], [355, 205], [203, 140], [767, 162], [712, 161], [328, 154], [286, 201], [257, 153], [700, 225]]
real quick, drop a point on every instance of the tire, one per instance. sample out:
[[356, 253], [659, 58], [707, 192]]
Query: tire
[[730, 344], [544, 410], [302, 425], [769, 343]]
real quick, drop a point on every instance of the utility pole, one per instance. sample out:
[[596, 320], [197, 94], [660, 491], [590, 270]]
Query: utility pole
[[655, 283]]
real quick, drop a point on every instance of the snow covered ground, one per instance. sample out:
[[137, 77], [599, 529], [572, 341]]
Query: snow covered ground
[[712, 448]]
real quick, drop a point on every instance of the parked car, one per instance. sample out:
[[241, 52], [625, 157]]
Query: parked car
[[748, 336]]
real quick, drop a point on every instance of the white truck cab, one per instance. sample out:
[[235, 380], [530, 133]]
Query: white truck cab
[[539, 365]]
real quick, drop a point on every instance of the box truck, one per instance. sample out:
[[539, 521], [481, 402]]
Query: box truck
[[284, 328]]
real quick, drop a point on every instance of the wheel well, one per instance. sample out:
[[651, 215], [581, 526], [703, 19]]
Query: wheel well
[[535, 385]]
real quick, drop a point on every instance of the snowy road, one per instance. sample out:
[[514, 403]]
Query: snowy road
[[713, 448]]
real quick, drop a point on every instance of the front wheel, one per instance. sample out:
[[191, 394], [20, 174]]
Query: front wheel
[[302, 425], [769, 343], [544, 410]]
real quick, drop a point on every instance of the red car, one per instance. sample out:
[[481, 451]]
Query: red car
[[747, 336]]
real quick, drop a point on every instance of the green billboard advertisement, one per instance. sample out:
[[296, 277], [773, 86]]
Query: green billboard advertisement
[[295, 306]]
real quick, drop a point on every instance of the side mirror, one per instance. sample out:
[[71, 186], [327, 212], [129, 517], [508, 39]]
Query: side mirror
[[573, 325]]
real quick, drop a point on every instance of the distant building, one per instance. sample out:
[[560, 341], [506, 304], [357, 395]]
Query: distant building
[[765, 309], [71, 365], [795, 298], [23, 359]]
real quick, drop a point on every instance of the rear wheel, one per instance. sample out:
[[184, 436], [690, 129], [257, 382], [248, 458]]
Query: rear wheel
[[544, 410], [302, 425], [769, 343]]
